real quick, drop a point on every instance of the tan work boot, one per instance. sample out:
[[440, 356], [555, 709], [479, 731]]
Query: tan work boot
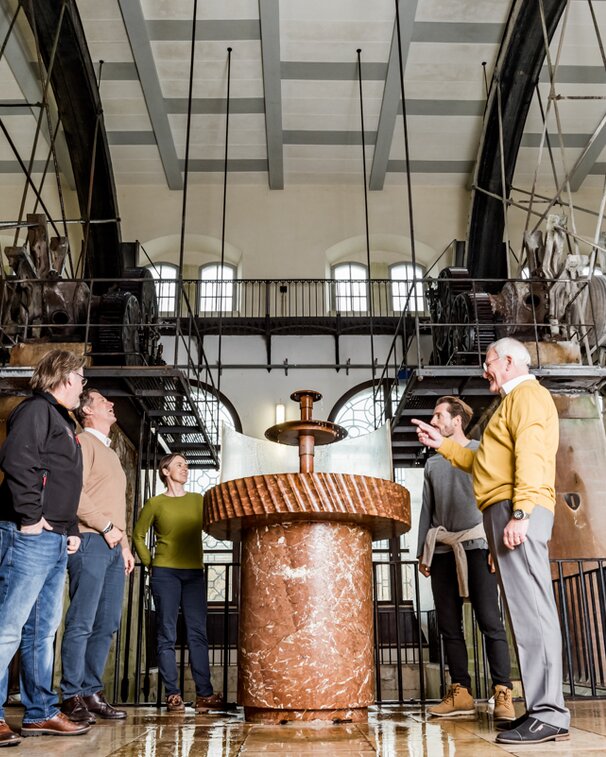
[[503, 703], [457, 701]]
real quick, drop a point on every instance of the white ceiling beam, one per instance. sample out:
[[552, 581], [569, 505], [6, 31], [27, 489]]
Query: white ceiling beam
[[392, 93], [136, 29], [269, 16]]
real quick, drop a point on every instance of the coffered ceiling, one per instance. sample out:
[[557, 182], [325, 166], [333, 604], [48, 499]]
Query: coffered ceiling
[[295, 106]]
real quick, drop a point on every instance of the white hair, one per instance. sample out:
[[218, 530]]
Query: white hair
[[508, 347]]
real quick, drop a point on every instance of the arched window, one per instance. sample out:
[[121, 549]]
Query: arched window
[[355, 412], [217, 288], [202, 479], [404, 277], [351, 287], [165, 275], [358, 412]]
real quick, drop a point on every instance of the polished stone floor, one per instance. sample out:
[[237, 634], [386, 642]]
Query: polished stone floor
[[391, 731]]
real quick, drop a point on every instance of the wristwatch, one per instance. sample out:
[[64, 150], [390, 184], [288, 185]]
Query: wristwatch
[[108, 528], [520, 515]]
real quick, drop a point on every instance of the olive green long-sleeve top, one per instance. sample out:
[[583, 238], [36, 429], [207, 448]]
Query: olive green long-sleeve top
[[177, 523]]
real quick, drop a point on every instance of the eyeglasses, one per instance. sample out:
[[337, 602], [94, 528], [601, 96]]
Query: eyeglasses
[[485, 366], [82, 379]]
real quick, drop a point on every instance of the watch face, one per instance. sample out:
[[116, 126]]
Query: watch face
[[518, 514]]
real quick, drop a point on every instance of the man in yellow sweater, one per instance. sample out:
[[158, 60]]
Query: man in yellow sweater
[[513, 473], [96, 571]]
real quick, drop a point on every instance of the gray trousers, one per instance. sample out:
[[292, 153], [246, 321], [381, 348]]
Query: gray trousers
[[525, 578]]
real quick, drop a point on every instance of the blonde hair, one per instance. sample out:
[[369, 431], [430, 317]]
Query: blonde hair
[[54, 369]]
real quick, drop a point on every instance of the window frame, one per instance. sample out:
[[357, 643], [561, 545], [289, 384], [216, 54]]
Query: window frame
[[350, 297], [161, 281], [418, 279], [227, 298]]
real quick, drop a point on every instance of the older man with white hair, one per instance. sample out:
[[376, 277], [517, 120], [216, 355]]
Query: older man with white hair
[[514, 484]]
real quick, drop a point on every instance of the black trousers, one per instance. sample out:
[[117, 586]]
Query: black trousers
[[484, 600]]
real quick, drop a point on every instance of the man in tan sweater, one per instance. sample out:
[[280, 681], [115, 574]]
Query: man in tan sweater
[[96, 571], [513, 473]]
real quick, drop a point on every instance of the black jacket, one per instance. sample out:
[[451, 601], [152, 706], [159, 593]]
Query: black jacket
[[42, 463]]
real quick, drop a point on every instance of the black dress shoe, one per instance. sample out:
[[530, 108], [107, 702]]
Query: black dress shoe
[[504, 725], [98, 704], [533, 731], [76, 710]]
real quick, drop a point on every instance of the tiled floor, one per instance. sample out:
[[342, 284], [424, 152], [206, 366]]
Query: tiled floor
[[390, 732]]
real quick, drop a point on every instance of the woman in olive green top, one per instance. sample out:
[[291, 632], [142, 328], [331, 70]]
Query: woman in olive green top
[[177, 580]]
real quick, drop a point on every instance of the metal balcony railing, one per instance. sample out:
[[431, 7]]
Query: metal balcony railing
[[291, 298]]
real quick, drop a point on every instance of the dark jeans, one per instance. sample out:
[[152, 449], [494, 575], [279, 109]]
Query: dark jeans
[[96, 588], [32, 575], [171, 588], [484, 600]]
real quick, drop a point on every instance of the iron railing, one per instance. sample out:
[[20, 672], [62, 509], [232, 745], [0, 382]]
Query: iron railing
[[407, 642], [295, 298]]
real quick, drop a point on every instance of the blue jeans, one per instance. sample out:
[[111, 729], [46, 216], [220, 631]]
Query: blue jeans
[[171, 588], [96, 589], [32, 575]]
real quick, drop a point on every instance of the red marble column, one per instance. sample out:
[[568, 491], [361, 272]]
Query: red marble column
[[306, 626], [306, 639]]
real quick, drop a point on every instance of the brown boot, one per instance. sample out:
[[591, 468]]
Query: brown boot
[[503, 703], [457, 701], [76, 710], [174, 703], [97, 704], [211, 702]]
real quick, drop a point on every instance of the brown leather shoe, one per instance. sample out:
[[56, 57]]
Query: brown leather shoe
[[212, 702], [60, 725], [76, 710], [174, 703], [98, 704], [7, 736]]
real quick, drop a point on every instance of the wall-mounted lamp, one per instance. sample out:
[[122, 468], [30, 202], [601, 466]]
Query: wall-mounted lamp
[[280, 413]]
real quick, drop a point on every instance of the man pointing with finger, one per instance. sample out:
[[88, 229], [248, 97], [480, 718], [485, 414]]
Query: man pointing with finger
[[97, 569], [514, 484]]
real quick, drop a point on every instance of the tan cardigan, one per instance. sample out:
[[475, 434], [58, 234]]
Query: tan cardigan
[[103, 497]]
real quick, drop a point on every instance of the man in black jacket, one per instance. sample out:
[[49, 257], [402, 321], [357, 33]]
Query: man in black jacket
[[42, 465]]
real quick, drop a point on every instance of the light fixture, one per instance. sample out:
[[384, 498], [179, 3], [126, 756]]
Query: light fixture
[[280, 413]]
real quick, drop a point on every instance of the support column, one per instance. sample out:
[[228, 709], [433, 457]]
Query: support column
[[306, 630]]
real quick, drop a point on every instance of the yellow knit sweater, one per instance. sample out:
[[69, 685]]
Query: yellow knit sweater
[[517, 455]]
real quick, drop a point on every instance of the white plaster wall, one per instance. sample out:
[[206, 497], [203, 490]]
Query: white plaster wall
[[288, 233], [254, 391]]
